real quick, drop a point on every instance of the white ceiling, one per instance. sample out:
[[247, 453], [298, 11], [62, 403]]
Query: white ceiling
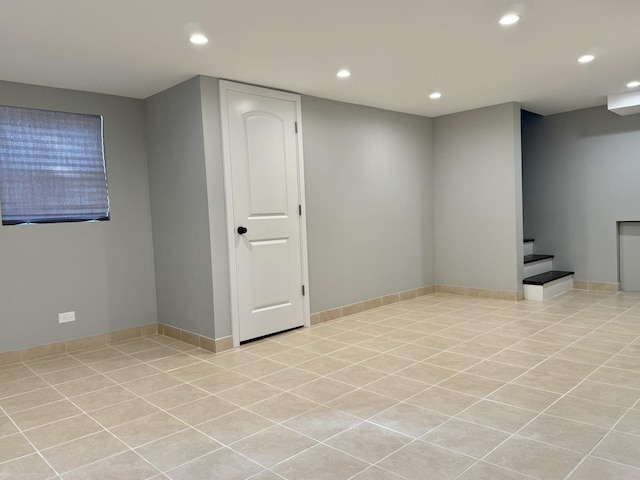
[[399, 51]]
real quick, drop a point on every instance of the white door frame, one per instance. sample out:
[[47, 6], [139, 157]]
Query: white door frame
[[225, 86]]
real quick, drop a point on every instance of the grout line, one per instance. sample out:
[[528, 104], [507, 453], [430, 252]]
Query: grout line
[[418, 306]]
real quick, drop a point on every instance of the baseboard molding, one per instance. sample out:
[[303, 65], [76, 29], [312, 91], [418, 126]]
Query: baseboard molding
[[359, 307], [67, 346], [96, 341], [215, 345], [347, 310], [597, 286], [481, 292]]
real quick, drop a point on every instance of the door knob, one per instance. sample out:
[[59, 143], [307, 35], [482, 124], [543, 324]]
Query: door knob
[[242, 230]]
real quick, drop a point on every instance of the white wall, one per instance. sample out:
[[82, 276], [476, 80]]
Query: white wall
[[478, 199]]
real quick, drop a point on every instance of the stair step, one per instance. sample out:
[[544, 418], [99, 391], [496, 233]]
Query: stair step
[[537, 264], [547, 285], [546, 277], [536, 258]]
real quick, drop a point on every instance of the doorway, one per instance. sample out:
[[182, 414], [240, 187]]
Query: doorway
[[264, 190]]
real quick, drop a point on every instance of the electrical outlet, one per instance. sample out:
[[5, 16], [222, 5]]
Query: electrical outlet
[[66, 317]]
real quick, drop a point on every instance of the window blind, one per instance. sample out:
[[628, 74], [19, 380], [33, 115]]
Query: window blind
[[52, 167]]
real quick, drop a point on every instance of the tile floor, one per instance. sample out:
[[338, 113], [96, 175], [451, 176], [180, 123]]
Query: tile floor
[[439, 387]]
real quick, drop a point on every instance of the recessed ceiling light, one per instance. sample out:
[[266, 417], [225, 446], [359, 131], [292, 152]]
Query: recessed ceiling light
[[510, 19], [198, 39], [343, 74], [586, 58], [633, 84], [435, 95]]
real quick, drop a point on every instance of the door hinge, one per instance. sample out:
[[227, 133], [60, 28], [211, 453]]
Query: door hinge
[[300, 209], [295, 124], [303, 291]]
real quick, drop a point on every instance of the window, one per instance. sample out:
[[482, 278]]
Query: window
[[52, 167]]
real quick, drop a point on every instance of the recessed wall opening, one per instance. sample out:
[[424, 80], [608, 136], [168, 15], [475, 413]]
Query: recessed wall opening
[[629, 255]]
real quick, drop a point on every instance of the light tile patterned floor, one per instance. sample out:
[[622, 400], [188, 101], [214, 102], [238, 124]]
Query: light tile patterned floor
[[439, 387]]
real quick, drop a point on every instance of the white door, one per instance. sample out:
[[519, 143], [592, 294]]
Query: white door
[[264, 192]]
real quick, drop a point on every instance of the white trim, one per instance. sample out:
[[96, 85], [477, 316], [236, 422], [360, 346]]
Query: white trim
[[226, 86], [549, 289]]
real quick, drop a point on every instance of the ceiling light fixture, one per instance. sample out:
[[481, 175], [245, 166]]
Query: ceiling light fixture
[[435, 95], [586, 58], [510, 19], [198, 39], [633, 84], [343, 74]]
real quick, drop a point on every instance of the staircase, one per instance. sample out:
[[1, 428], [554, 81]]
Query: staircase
[[541, 281]]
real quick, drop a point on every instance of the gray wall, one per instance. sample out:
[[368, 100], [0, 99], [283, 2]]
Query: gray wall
[[104, 271], [581, 172], [216, 201], [179, 208], [478, 199], [369, 194]]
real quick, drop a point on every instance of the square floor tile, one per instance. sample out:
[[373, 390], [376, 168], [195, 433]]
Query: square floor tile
[[83, 451], [444, 401], [124, 465], [14, 446], [464, 437], [320, 463], [322, 390], [358, 375], [563, 433], [423, 461], [322, 422], [497, 415], [535, 459], [176, 396], [234, 426], [219, 382], [248, 393], [31, 399], [48, 413], [6, 426], [471, 384], [486, 471], [630, 423], [498, 371], [174, 450], [524, 397], [55, 433], [369, 442], [223, 464], [273, 445], [620, 447], [147, 429], [409, 419], [598, 469], [123, 412], [202, 410], [396, 386], [31, 467], [587, 411], [282, 407], [623, 397], [362, 404], [289, 378]]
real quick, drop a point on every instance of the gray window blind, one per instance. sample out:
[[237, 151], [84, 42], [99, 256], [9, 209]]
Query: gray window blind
[[52, 167]]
